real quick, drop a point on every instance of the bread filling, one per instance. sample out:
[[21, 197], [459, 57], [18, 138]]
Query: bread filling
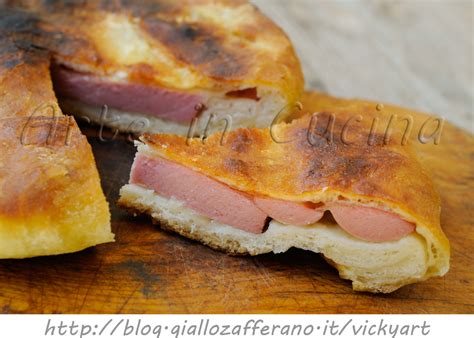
[[220, 202], [376, 267], [152, 100], [168, 104]]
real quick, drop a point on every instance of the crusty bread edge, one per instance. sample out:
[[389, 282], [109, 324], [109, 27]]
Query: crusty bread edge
[[361, 280]]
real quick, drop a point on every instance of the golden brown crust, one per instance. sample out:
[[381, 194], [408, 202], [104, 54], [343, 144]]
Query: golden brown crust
[[51, 201], [182, 45], [354, 163]]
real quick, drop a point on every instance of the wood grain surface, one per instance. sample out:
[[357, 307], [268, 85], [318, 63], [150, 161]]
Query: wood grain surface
[[151, 271], [416, 62]]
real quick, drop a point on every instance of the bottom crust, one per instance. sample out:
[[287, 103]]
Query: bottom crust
[[374, 267]]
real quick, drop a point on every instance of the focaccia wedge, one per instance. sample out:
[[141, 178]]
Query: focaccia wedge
[[51, 201], [167, 66], [328, 182]]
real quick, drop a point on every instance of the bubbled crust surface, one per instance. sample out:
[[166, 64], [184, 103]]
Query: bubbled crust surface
[[179, 44], [296, 161], [51, 201]]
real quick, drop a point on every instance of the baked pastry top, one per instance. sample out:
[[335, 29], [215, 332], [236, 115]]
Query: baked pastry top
[[176, 44], [51, 201]]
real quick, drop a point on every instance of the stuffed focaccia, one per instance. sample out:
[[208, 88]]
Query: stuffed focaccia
[[326, 182], [167, 66], [51, 201]]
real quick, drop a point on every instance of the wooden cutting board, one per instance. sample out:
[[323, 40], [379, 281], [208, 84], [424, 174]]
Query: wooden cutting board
[[150, 271]]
